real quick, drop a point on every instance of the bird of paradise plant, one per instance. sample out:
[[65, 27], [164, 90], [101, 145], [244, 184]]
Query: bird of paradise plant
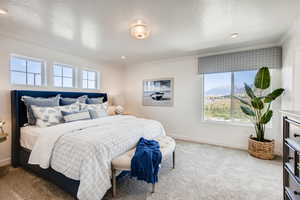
[[258, 105]]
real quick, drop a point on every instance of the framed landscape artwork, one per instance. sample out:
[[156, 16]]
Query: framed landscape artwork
[[158, 92]]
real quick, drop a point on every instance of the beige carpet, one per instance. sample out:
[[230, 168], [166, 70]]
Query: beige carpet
[[203, 172]]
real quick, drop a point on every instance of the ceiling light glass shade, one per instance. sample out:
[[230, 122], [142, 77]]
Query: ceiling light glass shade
[[139, 30], [3, 11], [234, 35]]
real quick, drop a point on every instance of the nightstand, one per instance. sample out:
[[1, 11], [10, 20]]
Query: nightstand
[[127, 113]]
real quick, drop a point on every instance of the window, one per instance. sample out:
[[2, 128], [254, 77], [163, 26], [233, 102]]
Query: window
[[63, 76], [26, 71], [89, 79], [239, 79], [219, 89]]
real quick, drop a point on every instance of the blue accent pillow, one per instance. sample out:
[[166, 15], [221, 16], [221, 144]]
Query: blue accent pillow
[[38, 101], [68, 101], [98, 100], [76, 116]]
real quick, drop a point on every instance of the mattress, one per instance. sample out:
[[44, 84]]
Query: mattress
[[29, 135]]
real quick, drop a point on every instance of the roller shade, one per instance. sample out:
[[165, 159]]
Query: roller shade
[[239, 61]]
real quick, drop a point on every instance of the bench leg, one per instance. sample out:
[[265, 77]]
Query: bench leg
[[153, 188], [174, 159], [114, 183]]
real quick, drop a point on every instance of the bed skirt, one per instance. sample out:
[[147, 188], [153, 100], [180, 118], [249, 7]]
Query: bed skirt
[[68, 185]]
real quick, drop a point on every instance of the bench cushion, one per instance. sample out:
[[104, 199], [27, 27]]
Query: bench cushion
[[167, 147]]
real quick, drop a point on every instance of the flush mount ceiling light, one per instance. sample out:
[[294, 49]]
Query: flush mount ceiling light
[[3, 12], [234, 35], [139, 30], [123, 57]]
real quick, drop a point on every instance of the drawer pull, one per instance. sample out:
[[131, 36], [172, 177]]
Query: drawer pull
[[296, 193], [296, 135]]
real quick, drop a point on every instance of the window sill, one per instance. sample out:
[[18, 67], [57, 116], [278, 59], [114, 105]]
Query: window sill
[[14, 85], [57, 87], [90, 89]]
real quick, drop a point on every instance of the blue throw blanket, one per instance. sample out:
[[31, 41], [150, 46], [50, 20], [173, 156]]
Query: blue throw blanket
[[146, 160]]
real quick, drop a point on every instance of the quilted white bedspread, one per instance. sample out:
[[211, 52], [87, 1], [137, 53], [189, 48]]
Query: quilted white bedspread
[[83, 150]]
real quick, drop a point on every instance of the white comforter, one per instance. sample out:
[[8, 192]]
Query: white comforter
[[83, 150]]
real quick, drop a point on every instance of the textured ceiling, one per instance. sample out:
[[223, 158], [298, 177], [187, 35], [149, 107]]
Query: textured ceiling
[[98, 29]]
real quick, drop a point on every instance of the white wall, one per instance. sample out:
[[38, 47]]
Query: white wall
[[183, 120], [111, 78], [291, 68]]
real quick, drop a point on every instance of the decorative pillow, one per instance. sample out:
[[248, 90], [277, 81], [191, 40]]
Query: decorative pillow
[[97, 113], [98, 100], [49, 116], [75, 107], [68, 101], [39, 101], [96, 110], [76, 116], [84, 106]]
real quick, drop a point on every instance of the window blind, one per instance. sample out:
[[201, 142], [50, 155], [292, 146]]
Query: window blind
[[239, 61]]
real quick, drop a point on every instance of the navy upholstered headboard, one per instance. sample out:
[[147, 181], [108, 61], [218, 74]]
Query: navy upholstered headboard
[[19, 116]]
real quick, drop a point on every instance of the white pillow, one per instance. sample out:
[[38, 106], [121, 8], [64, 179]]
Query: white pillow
[[84, 106], [96, 110], [49, 116], [76, 116]]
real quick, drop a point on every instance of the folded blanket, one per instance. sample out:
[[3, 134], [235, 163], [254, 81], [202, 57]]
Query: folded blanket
[[146, 160]]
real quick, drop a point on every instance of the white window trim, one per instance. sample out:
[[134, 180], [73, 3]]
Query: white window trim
[[231, 122], [43, 71], [98, 79], [74, 79]]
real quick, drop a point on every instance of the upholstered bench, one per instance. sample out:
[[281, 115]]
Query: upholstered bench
[[123, 162]]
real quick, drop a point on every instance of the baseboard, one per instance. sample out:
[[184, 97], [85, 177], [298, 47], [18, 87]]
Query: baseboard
[[4, 162], [188, 139]]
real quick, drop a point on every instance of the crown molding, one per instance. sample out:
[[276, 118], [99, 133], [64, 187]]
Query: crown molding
[[294, 27]]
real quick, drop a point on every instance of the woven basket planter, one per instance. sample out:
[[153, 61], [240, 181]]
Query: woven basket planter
[[262, 150]]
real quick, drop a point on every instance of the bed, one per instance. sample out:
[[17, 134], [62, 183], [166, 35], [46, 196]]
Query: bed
[[75, 156]]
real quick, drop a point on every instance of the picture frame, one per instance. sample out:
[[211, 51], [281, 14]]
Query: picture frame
[[158, 92]]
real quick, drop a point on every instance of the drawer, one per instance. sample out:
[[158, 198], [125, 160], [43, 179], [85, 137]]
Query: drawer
[[295, 135], [293, 189], [292, 156]]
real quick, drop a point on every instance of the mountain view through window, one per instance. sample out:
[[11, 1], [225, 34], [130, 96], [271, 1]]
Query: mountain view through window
[[219, 89]]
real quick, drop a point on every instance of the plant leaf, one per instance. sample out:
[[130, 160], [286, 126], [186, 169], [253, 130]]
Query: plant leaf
[[257, 103], [262, 78], [249, 91], [261, 97], [242, 101], [266, 117], [247, 111], [273, 95]]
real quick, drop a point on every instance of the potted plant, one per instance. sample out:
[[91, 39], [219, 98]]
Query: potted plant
[[258, 107]]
